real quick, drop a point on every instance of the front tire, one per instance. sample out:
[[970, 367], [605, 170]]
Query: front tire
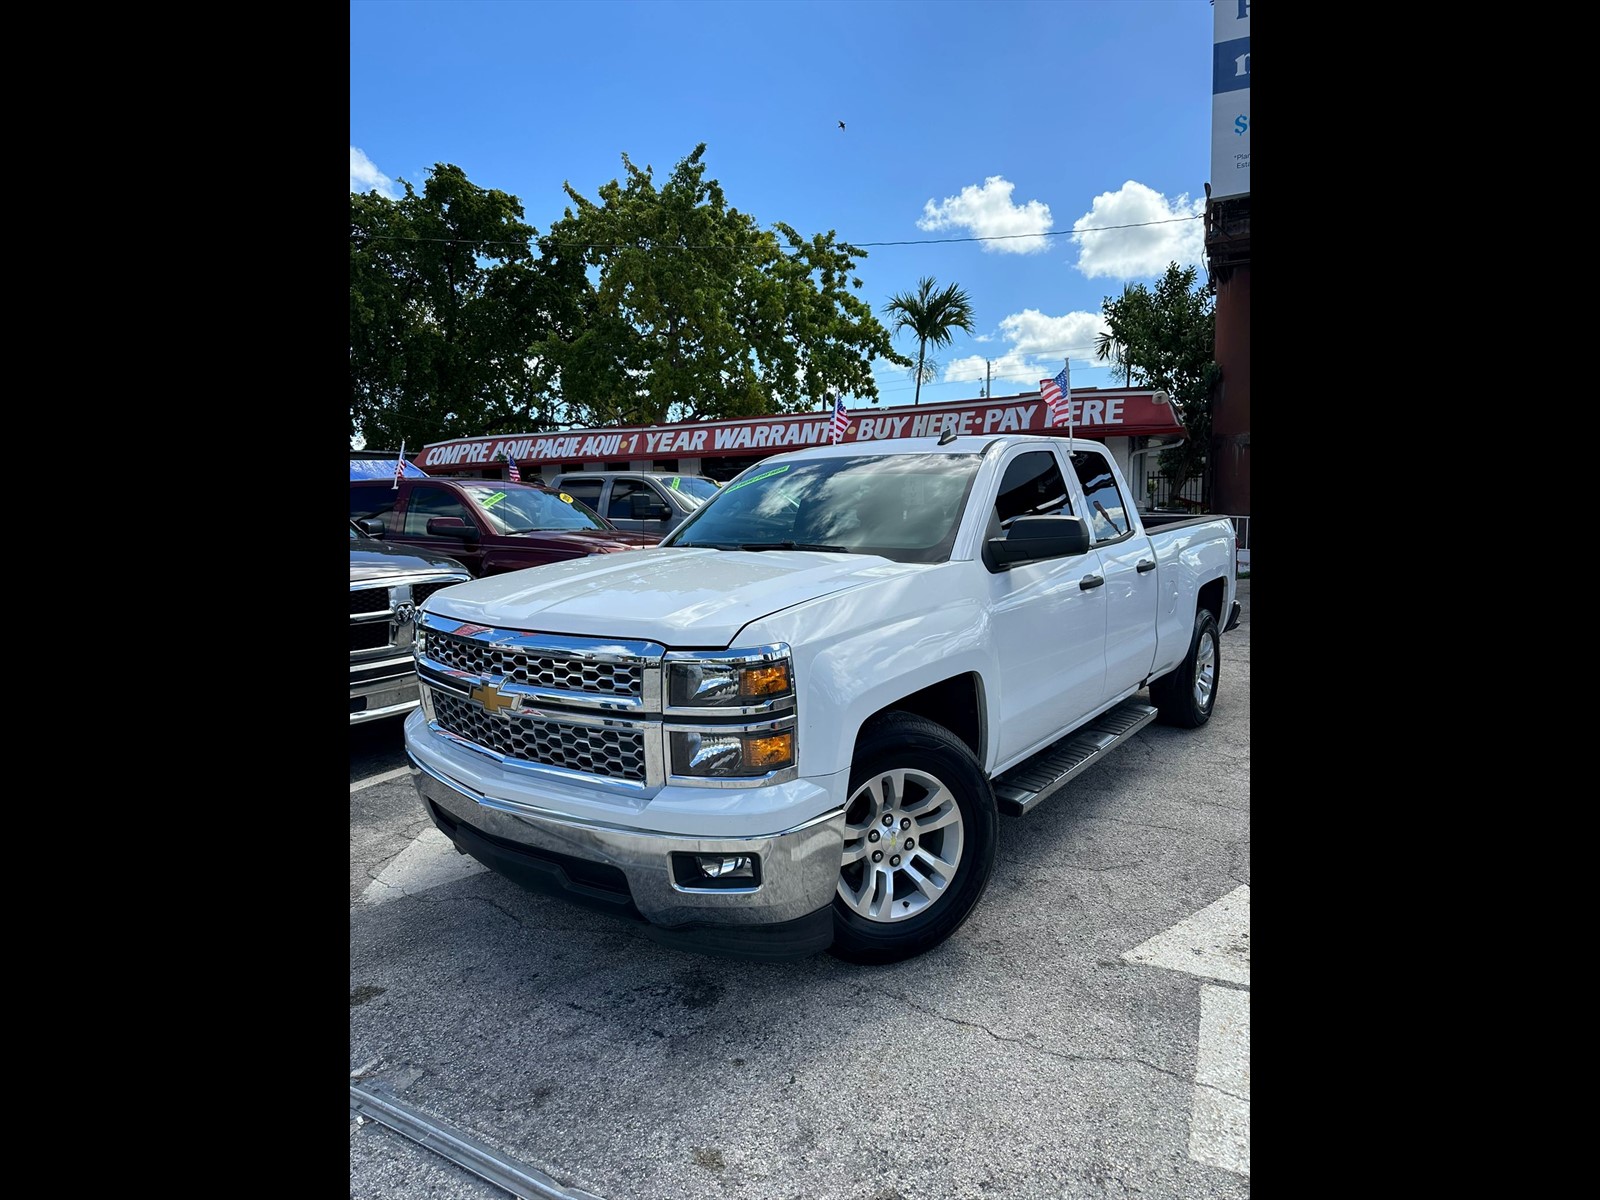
[[1186, 696], [921, 803]]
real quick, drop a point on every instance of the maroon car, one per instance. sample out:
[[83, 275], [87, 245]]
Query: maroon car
[[488, 525]]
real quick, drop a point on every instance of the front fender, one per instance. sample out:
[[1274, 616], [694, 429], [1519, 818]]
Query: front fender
[[859, 652]]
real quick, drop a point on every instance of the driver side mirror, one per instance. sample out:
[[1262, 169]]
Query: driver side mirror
[[373, 526], [644, 507], [451, 527], [1032, 538]]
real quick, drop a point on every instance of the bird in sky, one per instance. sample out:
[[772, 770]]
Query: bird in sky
[[841, 124]]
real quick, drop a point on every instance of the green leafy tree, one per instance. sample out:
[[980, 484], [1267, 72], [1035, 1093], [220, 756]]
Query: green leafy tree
[[933, 314], [1163, 337], [447, 308], [692, 310]]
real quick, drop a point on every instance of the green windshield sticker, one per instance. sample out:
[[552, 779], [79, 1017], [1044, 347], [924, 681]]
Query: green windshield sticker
[[564, 498], [734, 487], [491, 501], [675, 482]]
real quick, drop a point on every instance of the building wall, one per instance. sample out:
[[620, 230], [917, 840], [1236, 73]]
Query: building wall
[[1230, 412]]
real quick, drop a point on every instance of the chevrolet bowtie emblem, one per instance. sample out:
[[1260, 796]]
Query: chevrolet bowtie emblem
[[490, 696]]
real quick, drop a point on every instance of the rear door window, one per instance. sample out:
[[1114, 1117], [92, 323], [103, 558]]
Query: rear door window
[[1107, 512], [586, 490]]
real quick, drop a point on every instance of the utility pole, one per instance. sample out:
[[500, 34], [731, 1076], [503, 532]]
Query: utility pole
[[988, 378]]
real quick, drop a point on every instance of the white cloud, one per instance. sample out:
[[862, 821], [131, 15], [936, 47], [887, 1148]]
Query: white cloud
[[1038, 347], [1144, 251], [365, 176], [987, 211]]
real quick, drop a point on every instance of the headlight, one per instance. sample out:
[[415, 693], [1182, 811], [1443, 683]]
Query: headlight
[[732, 753], [746, 681], [419, 651]]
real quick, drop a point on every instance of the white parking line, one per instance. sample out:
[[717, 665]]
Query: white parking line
[[1214, 943], [384, 778], [1219, 1122]]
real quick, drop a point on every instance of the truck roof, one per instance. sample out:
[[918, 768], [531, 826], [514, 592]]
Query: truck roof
[[928, 444]]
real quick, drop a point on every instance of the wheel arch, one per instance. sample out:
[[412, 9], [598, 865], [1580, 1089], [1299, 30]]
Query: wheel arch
[[1211, 596], [955, 703]]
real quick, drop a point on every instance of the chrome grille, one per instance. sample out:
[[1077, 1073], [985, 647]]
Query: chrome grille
[[537, 670], [369, 636], [592, 749], [369, 600], [421, 591]]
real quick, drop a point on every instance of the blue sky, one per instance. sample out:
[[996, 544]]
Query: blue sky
[[962, 120]]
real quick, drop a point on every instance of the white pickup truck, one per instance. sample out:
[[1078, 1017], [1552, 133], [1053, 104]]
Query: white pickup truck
[[792, 726]]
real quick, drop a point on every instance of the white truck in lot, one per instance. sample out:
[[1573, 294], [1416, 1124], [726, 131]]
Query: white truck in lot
[[793, 725]]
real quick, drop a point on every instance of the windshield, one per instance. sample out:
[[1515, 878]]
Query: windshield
[[690, 490], [512, 509], [904, 507]]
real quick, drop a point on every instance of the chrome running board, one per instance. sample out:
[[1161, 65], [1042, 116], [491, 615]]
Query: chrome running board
[[1047, 772]]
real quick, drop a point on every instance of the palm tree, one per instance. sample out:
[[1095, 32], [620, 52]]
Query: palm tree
[[1106, 346], [932, 315]]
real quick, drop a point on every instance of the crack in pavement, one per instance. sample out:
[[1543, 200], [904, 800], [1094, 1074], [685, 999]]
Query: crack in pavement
[[1113, 867], [1082, 1058], [1164, 828], [475, 899], [1230, 807]]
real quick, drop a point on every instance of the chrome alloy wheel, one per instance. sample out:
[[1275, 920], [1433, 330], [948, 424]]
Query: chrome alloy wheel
[[902, 844], [1205, 670]]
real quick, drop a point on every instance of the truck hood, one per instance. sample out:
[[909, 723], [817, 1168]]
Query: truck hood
[[687, 598], [580, 541], [373, 561]]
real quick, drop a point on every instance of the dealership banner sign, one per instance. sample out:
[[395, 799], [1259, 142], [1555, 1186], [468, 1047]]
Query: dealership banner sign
[[1103, 412], [1230, 98]]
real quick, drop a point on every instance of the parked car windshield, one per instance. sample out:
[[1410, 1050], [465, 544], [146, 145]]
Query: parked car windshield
[[905, 507], [691, 488], [512, 509]]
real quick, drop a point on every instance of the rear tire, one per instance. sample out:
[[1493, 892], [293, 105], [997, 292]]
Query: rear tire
[[1186, 696], [925, 781]]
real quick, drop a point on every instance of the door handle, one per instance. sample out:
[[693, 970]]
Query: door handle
[[1145, 565], [1090, 581]]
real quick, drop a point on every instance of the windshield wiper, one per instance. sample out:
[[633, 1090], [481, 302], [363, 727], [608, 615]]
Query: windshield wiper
[[793, 546]]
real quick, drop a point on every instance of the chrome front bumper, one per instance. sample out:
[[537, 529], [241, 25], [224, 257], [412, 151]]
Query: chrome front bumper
[[384, 697], [799, 866]]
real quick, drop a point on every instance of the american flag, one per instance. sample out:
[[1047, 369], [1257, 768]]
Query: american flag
[[1057, 393], [840, 421], [399, 464], [516, 475]]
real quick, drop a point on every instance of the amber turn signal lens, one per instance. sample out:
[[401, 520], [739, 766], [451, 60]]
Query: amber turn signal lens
[[769, 752], [766, 681]]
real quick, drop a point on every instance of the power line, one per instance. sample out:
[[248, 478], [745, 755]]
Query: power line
[[1064, 351], [949, 382]]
